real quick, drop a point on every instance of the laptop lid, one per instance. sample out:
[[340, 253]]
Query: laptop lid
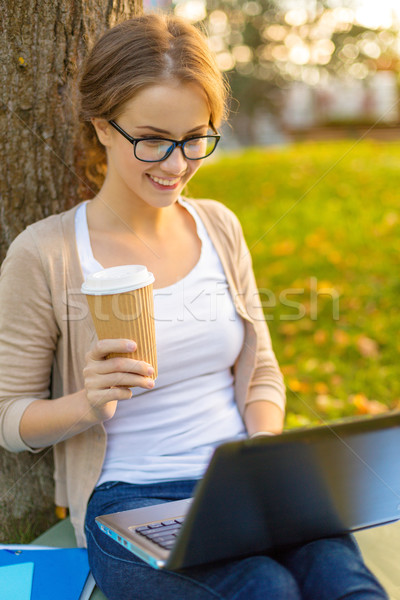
[[271, 493]]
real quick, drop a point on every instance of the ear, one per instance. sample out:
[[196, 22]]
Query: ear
[[103, 130]]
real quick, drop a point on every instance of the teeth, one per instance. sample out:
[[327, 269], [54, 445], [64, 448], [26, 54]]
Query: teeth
[[166, 182]]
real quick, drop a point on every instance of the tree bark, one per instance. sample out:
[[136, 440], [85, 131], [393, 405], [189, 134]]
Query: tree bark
[[42, 45]]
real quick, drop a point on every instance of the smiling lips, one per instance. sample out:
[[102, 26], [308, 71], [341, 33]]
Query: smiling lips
[[165, 183]]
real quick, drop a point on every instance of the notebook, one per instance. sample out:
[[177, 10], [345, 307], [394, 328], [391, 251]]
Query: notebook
[[28, 573], [270, 493]]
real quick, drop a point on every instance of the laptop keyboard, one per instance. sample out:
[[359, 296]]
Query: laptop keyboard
[[163, 533]]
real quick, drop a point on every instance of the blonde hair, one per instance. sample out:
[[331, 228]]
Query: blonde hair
[[135, 54]]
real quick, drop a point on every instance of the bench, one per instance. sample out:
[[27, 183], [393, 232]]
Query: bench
[[381, 550], [380, 547]]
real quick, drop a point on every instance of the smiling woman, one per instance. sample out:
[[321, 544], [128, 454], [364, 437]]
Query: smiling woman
[[150, 94], [187, 60], [135, 179]]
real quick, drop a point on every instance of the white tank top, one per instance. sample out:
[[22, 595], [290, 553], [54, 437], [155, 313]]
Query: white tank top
[[170, 432]]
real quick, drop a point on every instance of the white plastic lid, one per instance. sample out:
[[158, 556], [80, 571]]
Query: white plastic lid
[[116, 280]]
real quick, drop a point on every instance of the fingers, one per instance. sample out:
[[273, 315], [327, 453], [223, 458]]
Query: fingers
[[119, 364], [117, 379], [102, 373], [130, 371], [108, 380], [105, 347]]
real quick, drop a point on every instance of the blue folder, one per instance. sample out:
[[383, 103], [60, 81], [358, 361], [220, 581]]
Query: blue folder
[[16, 581], [55, 573]]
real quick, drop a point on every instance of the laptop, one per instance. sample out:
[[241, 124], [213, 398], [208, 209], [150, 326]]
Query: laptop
[[271, 493]]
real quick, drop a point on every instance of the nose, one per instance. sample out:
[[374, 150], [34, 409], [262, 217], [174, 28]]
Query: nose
[[175, 164]]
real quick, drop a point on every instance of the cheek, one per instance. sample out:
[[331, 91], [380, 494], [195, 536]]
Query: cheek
[[129, 165], [193, 167]]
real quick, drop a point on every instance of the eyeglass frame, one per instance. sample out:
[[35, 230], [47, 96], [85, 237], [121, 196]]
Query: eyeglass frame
[[174, 143]]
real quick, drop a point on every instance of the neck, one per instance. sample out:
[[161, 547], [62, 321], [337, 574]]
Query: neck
[[121, 211]]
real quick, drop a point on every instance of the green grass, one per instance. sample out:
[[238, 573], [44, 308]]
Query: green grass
[[323, 217], [28, 527]]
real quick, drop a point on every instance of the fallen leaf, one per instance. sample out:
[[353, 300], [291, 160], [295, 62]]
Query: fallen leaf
[[334, 257], [361, 403], [298, 386], [320, 337], [320, 387], [288, 329], [288, 369], [284, 248], [368, 407], [341, 337], [337, 379], [367, 347]]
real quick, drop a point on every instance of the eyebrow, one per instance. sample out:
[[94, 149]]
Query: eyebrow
[[157, 130]]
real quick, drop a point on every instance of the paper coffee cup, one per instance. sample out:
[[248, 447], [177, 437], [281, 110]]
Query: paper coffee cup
[[121, 304]]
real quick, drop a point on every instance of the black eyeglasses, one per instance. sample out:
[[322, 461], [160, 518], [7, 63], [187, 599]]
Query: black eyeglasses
[[154, 149]]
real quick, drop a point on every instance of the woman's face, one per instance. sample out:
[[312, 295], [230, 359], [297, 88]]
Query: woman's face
[[174, 110]]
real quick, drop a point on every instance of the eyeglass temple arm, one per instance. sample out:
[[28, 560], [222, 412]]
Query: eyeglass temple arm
[[122, 132]]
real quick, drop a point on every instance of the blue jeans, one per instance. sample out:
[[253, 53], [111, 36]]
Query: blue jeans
[[329, 569]]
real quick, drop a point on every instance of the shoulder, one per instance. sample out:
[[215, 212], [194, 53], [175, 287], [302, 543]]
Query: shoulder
[[44, 236], [218, 216], [213, 208]]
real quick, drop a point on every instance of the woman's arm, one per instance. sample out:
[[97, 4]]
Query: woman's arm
[[107, 381], [29, 335], [263, 416]]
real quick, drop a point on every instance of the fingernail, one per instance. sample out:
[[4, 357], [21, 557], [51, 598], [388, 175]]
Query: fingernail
[[150, 371], [131, 346], [150, 383]]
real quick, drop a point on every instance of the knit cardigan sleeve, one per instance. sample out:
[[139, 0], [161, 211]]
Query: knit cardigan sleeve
[[28, 337], [266, 382]]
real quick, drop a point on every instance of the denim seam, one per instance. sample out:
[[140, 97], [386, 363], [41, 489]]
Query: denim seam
[[149, 568]]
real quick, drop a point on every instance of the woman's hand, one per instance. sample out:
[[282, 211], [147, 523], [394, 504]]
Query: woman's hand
[[107, 380]]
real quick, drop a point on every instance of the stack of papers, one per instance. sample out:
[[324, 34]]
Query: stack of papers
[[40, 573]]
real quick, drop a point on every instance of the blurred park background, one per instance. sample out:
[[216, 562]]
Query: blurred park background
[[310, 164], [303, 68]]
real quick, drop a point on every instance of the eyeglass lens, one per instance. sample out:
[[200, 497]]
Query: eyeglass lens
[[156, 149]]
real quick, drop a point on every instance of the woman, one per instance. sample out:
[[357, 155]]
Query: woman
[[154, 98]]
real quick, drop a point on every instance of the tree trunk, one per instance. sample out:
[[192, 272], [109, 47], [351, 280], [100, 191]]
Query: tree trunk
[[42, 45]]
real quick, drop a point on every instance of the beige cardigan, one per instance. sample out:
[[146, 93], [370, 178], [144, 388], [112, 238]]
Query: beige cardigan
[[46, 330]]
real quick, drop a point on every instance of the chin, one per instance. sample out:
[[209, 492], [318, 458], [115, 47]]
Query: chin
[[163, 201]]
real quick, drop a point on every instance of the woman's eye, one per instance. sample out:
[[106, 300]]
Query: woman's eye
[[154, 143], [193, 142], [196, 143]]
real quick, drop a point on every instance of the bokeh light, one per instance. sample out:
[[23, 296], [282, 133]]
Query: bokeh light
[[334, 55]]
